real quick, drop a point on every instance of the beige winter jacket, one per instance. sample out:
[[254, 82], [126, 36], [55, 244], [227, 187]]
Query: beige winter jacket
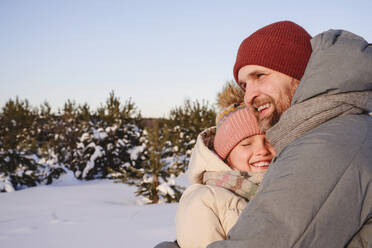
[[206, 213]]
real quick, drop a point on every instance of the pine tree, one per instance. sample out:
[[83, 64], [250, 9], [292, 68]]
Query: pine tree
[[50, 167], [18, 167], [195, 116], [157, 171], [187, 121], [103, 151]]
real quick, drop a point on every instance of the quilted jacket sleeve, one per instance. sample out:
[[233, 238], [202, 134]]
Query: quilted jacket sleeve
[[205, 214]]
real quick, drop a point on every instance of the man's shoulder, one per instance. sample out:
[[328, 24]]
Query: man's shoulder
[[325, 153], [339, 140], [350, 121], [344, 130]]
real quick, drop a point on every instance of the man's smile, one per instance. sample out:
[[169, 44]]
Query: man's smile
[[263, 107]]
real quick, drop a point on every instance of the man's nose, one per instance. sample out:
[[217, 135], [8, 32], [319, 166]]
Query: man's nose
[[251, 93]]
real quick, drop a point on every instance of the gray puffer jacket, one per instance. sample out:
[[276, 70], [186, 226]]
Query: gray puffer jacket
[[318, 190]]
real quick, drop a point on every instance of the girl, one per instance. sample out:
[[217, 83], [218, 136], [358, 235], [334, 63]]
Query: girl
[[226, 167]]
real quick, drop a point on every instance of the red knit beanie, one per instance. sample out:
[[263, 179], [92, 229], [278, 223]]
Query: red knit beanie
[[234, 124], [282, 46]]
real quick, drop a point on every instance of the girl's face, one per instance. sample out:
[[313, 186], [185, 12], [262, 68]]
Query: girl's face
[[252, 154]]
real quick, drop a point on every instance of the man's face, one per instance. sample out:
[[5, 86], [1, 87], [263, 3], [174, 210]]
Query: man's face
[[268, 92]]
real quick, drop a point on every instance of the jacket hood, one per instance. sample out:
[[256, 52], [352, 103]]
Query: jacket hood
[[341, 62], [203, 157]]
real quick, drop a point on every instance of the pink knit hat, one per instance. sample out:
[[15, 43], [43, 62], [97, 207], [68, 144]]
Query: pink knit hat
[[282, 46], [234, 124]]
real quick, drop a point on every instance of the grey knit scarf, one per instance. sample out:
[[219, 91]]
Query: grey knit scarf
[[302, 117]]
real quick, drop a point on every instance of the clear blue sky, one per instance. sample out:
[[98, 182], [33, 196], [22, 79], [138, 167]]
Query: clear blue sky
[[156, 52]]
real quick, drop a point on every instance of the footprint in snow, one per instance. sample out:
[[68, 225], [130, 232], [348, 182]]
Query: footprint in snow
[[56, 220]]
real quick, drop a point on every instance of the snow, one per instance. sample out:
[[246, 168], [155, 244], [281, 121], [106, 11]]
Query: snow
[[121, 142], [5, 184], [84, 137], [148, 179], [135, 151], [95, 214], [165, 189], [99, 134], [111, 129], [98, 152]]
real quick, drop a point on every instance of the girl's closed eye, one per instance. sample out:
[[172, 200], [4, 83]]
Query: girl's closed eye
[[247, 144], [247, 141]]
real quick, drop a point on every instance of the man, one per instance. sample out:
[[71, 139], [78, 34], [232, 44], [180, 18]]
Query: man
[[317, 192]]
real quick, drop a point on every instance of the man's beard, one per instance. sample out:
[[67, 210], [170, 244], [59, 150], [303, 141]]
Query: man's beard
[[281, 105], [266, 122]]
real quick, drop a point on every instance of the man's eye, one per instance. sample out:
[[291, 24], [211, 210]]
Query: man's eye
[[258, 75]]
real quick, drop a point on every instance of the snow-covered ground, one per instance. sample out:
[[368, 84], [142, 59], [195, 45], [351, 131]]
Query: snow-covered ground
[[92, 214]]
